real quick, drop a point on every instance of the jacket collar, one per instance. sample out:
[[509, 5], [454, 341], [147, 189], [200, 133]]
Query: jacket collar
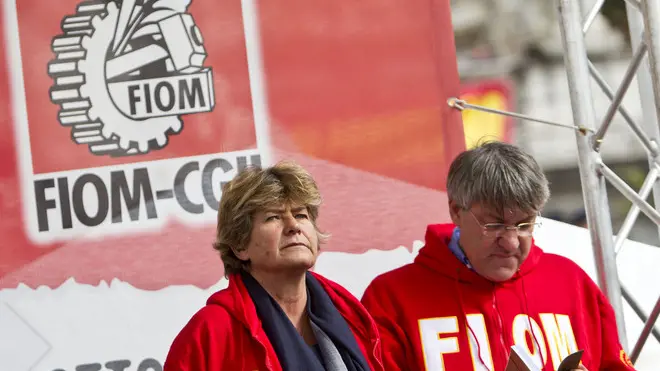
[[238, 303]]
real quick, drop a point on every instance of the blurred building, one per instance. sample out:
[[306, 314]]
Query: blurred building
[[519, 41]]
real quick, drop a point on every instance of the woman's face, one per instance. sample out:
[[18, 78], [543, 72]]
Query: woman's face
[[283, 239]]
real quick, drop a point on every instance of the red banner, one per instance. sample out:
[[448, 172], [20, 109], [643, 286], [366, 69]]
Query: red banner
[[120, 120], [480, 126], [119, 123]]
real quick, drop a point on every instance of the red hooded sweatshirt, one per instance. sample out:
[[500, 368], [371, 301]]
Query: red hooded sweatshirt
[[227, 335], [437, 314]]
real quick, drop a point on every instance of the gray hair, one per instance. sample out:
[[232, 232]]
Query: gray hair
[[498, 175]]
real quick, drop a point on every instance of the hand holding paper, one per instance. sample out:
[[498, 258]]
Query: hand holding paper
[[519, 360]]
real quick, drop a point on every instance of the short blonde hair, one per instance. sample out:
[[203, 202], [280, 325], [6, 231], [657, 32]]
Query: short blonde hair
[[255, 189]]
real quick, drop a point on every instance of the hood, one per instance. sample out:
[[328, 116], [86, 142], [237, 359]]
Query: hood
[[436, 256], [238, 303], [236, 300]]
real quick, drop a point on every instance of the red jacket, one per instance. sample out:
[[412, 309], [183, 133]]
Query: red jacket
[[227, 335], [425, 311]]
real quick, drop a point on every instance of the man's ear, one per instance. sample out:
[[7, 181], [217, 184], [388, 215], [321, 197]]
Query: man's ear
[[454, 210]]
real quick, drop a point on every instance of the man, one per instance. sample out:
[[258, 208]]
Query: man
[[481, 285], [275, 315]]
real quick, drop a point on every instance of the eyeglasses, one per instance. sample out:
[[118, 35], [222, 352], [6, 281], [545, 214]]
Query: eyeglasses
[[498, 229]]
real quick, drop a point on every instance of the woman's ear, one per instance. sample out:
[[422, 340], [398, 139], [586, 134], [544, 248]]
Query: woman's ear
[[241, 254]]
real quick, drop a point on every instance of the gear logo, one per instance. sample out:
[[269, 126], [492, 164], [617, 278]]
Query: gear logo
[[126, 72]]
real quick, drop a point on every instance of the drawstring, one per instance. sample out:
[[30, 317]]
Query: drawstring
[[531, 329], [499, 317], [467, 323], [474, 336]]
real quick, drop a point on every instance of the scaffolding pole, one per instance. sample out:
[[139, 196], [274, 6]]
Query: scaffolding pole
[[593, 183], [645, 88]]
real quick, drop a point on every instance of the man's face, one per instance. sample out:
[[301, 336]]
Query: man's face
[[495, 253]]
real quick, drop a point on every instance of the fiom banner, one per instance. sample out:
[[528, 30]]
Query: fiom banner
[[120, 120]]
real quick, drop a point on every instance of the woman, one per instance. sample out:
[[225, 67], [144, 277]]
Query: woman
[[275, 314]]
